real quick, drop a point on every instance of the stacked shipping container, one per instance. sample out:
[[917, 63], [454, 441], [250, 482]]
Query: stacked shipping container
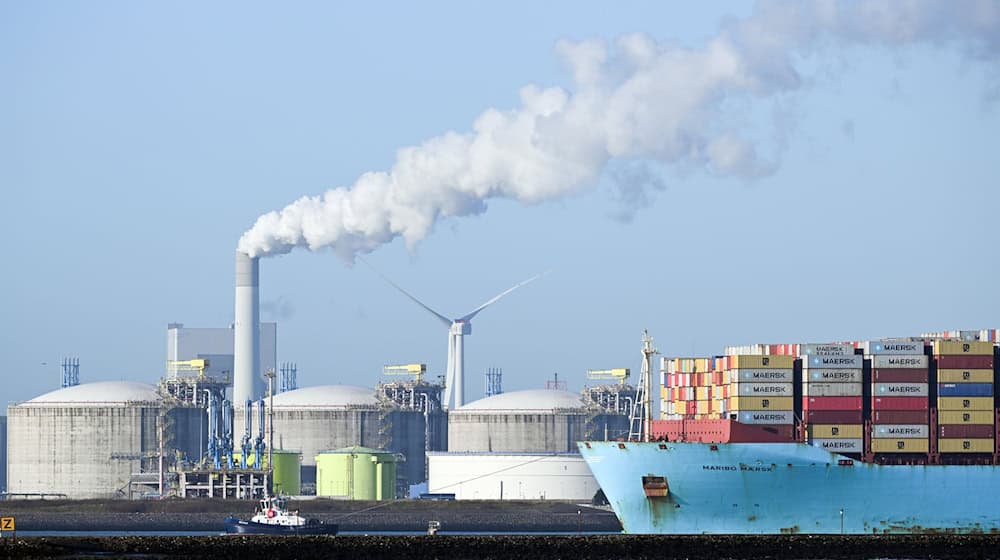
[[985, 335], [900, 377], [832, 397], [686, 387], [965, 396], [760, 388], [885, 395]]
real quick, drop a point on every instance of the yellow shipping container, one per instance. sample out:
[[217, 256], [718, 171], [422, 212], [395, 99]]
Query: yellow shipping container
[[701, 393], [665, 393], [761, 362], [704, 407], [828, 431], [965, 376], [760, 403], [718, 405], [972, 347], [965, 445], [908, 445], [965, 403], [965, 417]]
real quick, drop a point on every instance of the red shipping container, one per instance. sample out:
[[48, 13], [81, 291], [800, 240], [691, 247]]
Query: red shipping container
[[692, 407], [883, 375], [899, 403], [835, 416], [966, 431], [964, 362], [831, 403], [900, 416]]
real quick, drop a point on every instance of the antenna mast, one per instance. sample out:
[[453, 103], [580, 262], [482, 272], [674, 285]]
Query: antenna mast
[[639, 420]]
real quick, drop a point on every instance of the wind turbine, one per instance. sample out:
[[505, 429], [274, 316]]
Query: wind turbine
[[457, 329]]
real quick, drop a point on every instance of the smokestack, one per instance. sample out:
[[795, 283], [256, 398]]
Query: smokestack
[[246, 335]]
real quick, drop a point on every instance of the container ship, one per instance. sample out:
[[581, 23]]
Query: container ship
[[871, 437]]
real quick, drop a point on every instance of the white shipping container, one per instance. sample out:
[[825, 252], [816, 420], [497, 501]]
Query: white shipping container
[[833, 362], [746, 349], [762, 375], [895, 348], [826, 350], [899, 362], [833, 375], [761, 389], [839, 445], [814, 389], [900, 390], [766, 417], [901, 431]]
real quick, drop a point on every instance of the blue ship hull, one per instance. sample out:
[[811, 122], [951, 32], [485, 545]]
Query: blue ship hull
[[771, 488]]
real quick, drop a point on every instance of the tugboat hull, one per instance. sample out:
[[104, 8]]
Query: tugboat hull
[[241, 527]]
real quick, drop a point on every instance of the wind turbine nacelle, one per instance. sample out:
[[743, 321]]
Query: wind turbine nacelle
[[461, 327]]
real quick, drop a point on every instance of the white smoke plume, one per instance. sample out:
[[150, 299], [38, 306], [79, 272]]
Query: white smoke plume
[[635, 99]]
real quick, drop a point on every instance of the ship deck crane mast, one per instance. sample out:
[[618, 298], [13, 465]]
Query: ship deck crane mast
[[639, 420]]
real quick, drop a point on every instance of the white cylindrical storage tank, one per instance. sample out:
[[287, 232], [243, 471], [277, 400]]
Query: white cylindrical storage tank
[[511, 476], [533, 420], [83, 441]]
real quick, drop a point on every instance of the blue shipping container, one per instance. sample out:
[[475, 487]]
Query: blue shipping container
[[965, 389]]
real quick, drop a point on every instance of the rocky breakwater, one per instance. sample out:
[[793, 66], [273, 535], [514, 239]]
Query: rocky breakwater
[[511, 547]]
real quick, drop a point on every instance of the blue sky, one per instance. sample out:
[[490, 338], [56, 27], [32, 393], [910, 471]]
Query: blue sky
[[139, 141]]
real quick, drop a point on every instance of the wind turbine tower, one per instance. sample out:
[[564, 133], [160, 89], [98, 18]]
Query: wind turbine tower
[[454, 380]]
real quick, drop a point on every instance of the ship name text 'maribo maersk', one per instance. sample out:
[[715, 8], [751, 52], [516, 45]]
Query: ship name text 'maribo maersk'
[[888, 436]]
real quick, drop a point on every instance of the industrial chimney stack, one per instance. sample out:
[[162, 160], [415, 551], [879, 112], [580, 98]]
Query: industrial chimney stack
[[246, 327]]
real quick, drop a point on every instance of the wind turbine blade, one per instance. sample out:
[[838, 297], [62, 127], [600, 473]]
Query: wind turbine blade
[[443, 319], [474, 312]]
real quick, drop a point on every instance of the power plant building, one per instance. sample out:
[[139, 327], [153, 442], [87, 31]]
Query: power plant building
[[95, 440], [217, 346]]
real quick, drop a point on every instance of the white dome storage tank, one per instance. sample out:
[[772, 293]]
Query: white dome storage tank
[[86, 441], [532, 420]]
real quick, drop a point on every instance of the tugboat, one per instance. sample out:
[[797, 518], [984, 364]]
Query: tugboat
[[273, 518]]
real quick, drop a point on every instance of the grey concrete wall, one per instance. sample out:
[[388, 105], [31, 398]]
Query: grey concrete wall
[[82, 451], [187, 431], [3, 453], [517, 432]]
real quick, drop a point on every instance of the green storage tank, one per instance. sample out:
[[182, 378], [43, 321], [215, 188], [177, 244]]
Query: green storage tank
[[287, 470], [356, 473]]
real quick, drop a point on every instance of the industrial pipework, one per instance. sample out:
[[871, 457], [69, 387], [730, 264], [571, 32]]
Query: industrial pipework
[[227, 436], [214, 450], [259, 443], [247, 428]]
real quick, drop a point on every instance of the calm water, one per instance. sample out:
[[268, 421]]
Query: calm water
[[340, 534]]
